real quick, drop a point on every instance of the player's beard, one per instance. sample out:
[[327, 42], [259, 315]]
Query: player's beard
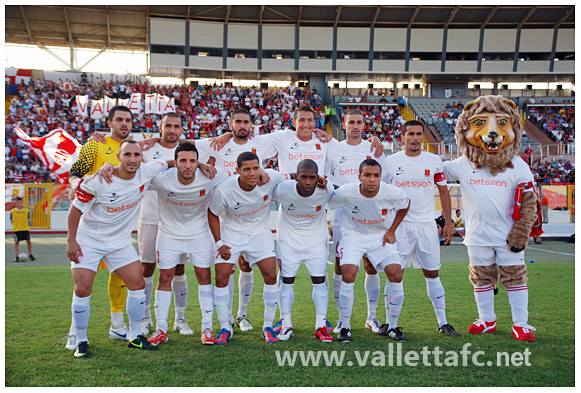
[[238, 135], [173, 139], [120, 133]]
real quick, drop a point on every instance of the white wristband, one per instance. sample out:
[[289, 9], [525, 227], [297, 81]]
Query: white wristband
[[219, 244]]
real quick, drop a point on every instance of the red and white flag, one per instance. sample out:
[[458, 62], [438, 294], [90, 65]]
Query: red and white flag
[[83, 105], [17, 75], [57, 150]]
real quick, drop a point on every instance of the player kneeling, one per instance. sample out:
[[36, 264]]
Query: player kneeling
[[368, 229], [303, 238]]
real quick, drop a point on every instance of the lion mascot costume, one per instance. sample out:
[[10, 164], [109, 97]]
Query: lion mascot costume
[[500, 208]]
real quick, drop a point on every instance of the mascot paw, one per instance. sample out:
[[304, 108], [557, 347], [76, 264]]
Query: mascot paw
[[517, 239]]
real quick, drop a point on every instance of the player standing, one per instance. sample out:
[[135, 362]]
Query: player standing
[[417, 171], [19, 217], [101, 229], [238, 218], [183, 198], [342, 166], [147, 229], [240, 124], [368, 228], [302, 237], [92, 156]]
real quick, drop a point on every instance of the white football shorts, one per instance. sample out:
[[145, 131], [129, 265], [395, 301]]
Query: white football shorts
[[290, 260], [198, 250], [351, 250], [418, 244], [114, 257], [486, 256], [254, 248], [146, 239]]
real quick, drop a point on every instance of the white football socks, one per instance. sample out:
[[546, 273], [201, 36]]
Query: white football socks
[[162, 303], [337, 279], [484, 297], [372, 284], [245, 284], [437, 295], [394, 302], [179, 286], [135, 307], [321, 300], [287, 296], [270, 298], [148, 292], [346, 296], [81, 310], [518, 297], [230, 296], [221, 300], [206, 299]]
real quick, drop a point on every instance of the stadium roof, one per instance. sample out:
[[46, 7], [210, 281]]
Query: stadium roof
[[126, 26]]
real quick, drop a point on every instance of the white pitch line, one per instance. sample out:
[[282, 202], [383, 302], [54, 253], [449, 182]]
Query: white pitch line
[[554, 252]]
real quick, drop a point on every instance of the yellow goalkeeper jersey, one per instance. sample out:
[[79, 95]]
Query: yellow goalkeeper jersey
[[93, 155]]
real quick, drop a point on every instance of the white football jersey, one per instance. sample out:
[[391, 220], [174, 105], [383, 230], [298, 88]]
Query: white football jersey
[[343, 161], [111, 215], [246, 212], [367, 219], [417, 176], [291, 150], [183, 208], [302, 222], [148, 213], [488, 200], [227, 156]]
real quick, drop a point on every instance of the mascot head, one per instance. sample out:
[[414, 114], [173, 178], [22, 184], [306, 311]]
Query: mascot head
[[489, 132]]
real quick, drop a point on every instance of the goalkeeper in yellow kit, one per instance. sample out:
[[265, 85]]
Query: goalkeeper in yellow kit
[[92, 157]]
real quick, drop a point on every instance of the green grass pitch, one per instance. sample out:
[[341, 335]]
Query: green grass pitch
[[37, 316]]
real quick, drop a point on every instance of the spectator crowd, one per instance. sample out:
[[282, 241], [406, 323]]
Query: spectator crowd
[[42, 106], [558, 122]]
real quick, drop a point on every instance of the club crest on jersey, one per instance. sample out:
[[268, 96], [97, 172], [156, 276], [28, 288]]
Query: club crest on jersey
[[264, 198], [399, 171], [369, 157], [294, 146], [142, 188], [355, 209], [254, 150], [342, 159], [318, 208], [203, 192], [318, 147], [156, 155], [383, 212], [427, 172]]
